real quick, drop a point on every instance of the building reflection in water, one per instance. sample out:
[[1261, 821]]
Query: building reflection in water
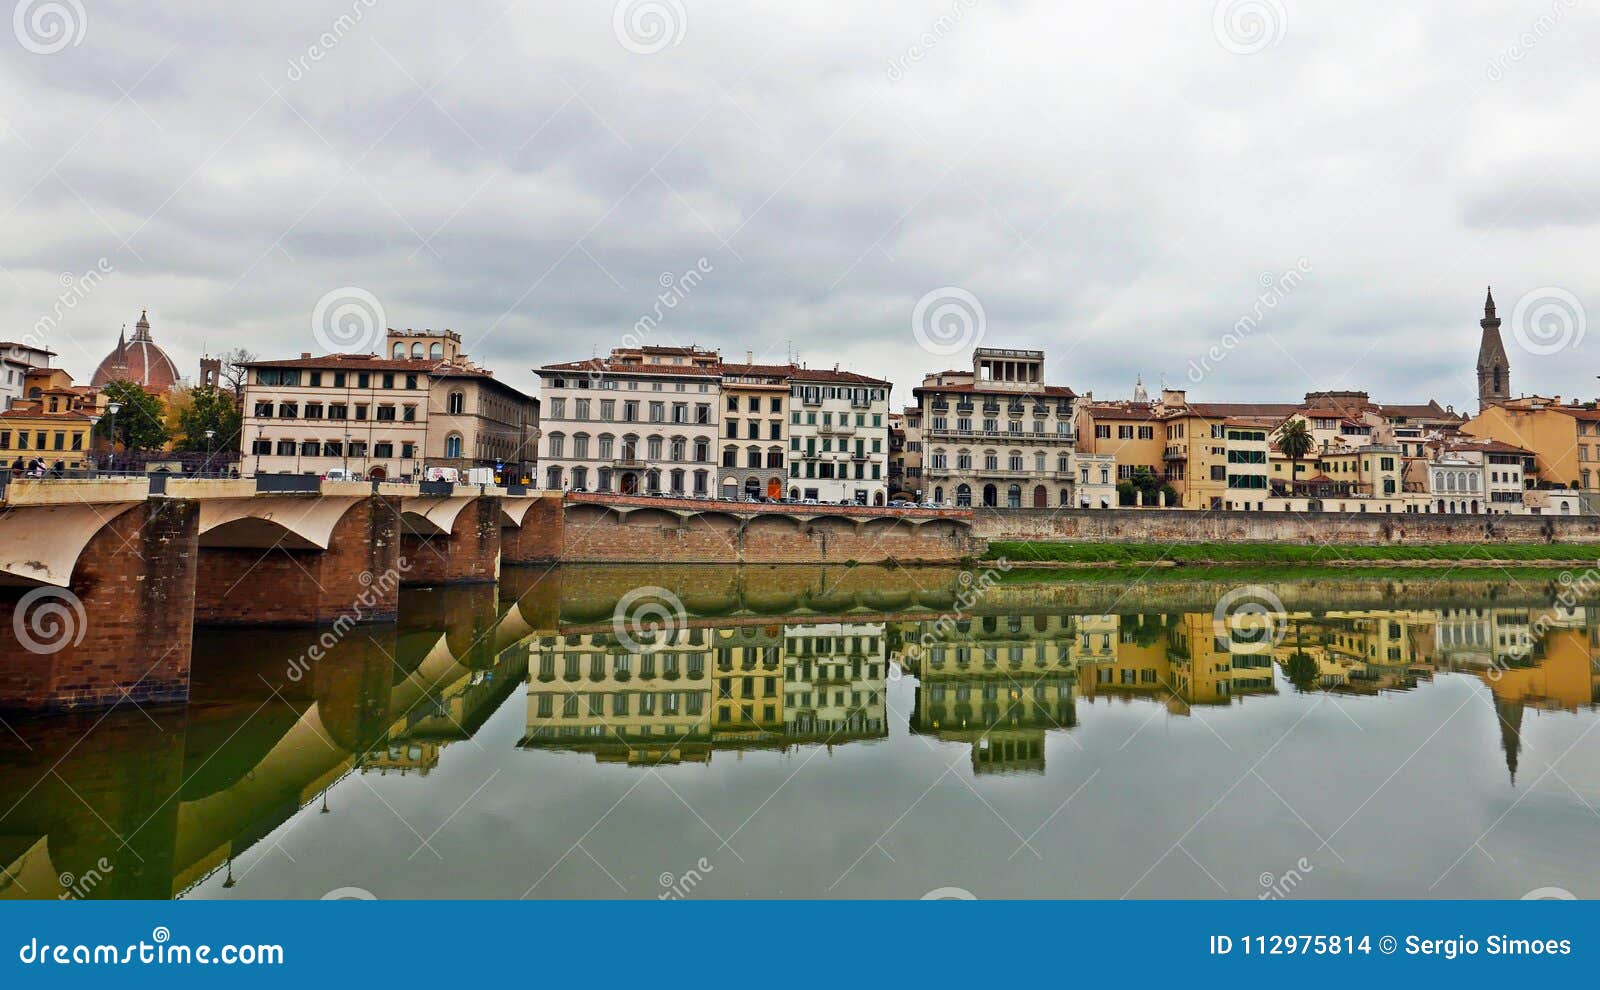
[[149, 803], [745, 686]]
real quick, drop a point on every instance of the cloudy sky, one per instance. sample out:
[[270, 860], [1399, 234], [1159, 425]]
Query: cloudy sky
[[1116, 184]]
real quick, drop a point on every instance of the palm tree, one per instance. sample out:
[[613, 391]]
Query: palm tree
[[1296, 442]]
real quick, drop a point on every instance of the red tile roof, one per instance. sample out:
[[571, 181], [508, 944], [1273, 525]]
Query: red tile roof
[[1049, 391]]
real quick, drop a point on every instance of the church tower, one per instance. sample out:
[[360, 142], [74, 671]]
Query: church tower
[[1494, 370]]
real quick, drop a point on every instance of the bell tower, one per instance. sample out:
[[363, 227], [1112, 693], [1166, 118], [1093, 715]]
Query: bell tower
[[1494, 369]]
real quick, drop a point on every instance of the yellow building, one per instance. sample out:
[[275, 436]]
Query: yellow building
[[54, 422], [1564, 438]]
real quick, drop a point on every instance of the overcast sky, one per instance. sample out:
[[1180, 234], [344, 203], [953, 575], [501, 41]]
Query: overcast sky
[[1113, 183]]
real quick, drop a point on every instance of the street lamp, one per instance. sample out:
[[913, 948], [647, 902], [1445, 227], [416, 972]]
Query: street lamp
[[210, 435], [111, 441], [261, 432]]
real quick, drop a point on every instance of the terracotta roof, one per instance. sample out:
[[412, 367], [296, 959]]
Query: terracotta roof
[[1261, 421], [36, 414], [1430, 411], [1051, 391], [1114, 410], [346, 362], [835, 377], [1487, 446], [605, 366], [1222, 410], [138, 360]]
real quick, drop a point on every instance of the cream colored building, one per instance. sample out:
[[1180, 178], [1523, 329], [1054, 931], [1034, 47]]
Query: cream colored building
[[998, 435], [643, 419], [422, 405]]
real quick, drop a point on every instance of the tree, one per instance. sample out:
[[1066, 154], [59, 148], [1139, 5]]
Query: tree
[[1296, 442], [138, 423], [213, 409], [234, 372], [1144, 482], [1302, 671]]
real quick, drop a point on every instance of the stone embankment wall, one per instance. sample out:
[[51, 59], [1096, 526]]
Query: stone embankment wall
[[1189, 526]]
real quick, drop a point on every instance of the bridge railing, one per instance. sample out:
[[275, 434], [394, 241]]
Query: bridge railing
[[440, 488]]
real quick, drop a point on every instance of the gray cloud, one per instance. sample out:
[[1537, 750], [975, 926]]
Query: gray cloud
[[1110, 186]]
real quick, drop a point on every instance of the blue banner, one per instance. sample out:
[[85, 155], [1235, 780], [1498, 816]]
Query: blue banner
[[689, 943]]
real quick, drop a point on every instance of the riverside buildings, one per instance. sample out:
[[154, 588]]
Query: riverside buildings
[[681, 421], [422, 404]]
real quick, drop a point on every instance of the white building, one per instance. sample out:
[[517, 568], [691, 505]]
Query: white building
[[15, 360], [643, 419], [838, 437]]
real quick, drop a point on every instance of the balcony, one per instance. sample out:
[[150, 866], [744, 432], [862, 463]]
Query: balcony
[[1175, 453], [840, 428]]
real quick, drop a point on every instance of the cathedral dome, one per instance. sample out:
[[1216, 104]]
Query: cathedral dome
[[138, 360]]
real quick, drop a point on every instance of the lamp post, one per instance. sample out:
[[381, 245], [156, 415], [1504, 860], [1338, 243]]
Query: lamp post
[[261, 432], [210, 434], [111, 440]]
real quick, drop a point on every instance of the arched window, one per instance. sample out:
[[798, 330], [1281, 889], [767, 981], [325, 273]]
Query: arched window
[[399, 349], [938, 493], [794, 494], [435, 352], [580, 446], [604, 482], [553, 479], [964, 496], [556, 444], [452, 446], [1014, 497], [702, 450], [652, 480], [677, 481], [455, 404], [580, 477], [416, 350]]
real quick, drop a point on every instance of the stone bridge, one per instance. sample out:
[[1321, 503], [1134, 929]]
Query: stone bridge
[[102, 580]]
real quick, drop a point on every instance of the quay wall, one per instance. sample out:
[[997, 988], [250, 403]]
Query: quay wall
[[1348, 528]]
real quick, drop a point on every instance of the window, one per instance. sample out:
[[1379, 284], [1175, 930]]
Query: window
[[457, 402], [452, 446]]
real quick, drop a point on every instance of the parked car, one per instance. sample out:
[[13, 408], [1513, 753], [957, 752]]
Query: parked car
[[338, 474]]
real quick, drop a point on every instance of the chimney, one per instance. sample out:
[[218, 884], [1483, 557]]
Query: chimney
[[305, 355]]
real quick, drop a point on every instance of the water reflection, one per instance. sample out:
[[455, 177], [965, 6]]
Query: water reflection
[[151, 803]]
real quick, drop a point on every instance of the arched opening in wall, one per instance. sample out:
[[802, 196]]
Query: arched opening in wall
[[377, 474], [774, 489], [399, 350], [552, 479], [938, 494], [416, 350], [794, 494], [877, 498], [1441, 505], [991, 496], [1474, 505], [1014, 497], [964, 496], [1041, 497], [629, 485], [652, 480], [452, 445], [752, 486]]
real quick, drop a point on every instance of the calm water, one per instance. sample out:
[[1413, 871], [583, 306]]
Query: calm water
[[805, 733]]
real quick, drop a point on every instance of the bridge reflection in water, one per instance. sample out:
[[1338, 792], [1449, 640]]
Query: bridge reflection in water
[[147, 803]]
